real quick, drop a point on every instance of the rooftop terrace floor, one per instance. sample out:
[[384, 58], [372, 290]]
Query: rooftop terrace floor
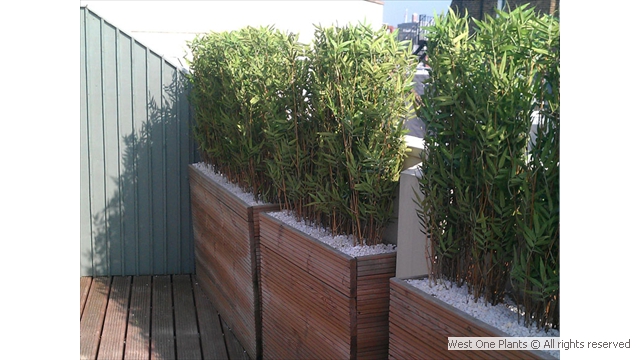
[[152, 317]]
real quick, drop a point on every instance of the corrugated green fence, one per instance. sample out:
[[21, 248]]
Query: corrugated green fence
[[135, 148]]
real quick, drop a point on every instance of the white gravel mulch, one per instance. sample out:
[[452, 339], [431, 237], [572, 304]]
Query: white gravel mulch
[[341, 243], [502, 316], [216, 176]]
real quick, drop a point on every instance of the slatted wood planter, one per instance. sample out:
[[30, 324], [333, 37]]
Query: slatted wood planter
[[319, 302], [226, 236], [420, 324]]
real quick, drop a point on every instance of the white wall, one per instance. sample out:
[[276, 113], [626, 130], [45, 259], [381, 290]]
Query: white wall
[[166, 26]]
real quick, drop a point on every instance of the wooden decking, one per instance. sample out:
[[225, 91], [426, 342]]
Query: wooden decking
[[151, 317]]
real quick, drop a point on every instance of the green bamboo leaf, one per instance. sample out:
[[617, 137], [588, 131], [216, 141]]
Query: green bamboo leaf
[[541, 51]]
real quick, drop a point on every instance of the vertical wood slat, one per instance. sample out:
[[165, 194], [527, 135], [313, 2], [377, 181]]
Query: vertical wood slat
[[148, 163], [155, 122], [188, 155], [122, 123], [93, 317], [112, 211], [187, 337], [162, 335], [134, 190], [374, 273], [115, 324], [138, 325], [170, 78], [95, 144], [141, 159], [132, 165], [126, 137], [86, 258]]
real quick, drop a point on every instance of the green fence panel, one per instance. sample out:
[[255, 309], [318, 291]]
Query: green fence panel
[[135, 147]]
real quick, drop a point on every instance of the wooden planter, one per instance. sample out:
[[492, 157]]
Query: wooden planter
[[420, 324], [226, 235], [318, 302]]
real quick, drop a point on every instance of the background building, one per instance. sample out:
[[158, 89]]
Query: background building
[[413, 30]]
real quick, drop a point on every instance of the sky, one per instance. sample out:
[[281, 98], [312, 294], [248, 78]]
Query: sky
[[394, 10], [167, 26]]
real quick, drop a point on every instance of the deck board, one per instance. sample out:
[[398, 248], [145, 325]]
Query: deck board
[[138, 324], [163, 317], [187, 337], [162, 337], [234, 348], [115, 324], [93, 318], [85, 284], [211, 335]]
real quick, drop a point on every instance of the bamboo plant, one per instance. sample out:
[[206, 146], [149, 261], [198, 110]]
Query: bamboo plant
[[491, 206], [317, 129], [237, 91], [361, 90]]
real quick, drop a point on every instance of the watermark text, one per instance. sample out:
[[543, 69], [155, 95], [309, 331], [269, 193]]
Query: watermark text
[[531, 343]]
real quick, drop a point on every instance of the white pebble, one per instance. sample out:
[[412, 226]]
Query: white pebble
[[341, 243], [220, 179], [502, 316]]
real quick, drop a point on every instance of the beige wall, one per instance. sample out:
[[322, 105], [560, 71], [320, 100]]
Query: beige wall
[[411, 242], [393, 231], [166, 26]]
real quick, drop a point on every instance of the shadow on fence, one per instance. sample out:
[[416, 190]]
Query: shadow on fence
[[142, 230]]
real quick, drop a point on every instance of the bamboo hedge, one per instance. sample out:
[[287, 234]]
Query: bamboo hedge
[[237, 90], [361, 84], [316, 128], [491, 196]]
